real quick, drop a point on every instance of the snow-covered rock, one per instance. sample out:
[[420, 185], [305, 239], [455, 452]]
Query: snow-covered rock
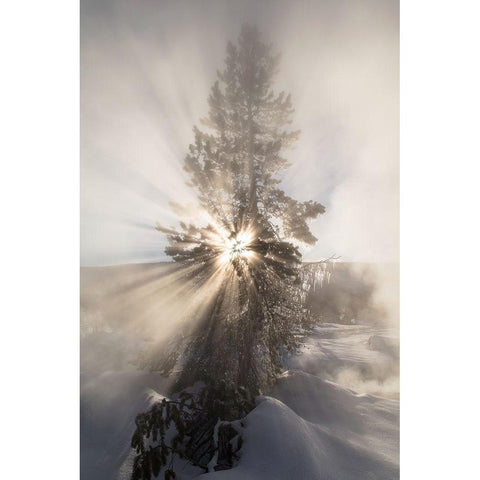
[[384, 344]]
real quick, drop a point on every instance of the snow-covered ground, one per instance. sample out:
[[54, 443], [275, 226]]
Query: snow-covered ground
[[334, 413], [360, 357]]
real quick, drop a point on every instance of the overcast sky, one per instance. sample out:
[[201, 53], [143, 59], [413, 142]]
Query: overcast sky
[[146, 71]]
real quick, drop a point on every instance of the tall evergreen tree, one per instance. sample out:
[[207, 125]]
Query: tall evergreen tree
[[234, 165], [246, 257]]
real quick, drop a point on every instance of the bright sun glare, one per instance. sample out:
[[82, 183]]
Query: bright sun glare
[[237, 246]]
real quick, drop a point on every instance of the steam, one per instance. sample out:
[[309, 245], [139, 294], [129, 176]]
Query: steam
[[355, 379], [384, 279]]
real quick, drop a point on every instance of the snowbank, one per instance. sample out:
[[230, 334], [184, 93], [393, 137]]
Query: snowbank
[[281, 444], [308, 428]]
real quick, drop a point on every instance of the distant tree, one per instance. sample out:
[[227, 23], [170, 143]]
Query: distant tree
[[250, 239]]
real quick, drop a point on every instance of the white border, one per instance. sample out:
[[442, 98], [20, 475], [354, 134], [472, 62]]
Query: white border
[[440, 241], [39, 204]]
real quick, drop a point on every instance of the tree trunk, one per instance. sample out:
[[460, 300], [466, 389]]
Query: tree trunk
[[253, 208], [224, 458]]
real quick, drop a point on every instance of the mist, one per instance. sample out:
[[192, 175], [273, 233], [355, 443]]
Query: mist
[[147, 68]]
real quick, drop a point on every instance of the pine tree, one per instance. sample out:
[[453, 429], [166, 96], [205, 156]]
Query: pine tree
[[250, 240], [234, 165]]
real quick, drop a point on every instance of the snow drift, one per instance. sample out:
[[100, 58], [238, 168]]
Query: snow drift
[[307, 428]]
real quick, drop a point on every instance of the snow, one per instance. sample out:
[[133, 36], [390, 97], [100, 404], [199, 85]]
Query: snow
[[344, 354], [313, 428], [333, 414], [281, 444]]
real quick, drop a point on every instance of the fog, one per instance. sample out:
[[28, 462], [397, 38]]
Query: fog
[[146, 71]]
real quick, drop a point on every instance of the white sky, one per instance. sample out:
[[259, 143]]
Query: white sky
[[146, 72]]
